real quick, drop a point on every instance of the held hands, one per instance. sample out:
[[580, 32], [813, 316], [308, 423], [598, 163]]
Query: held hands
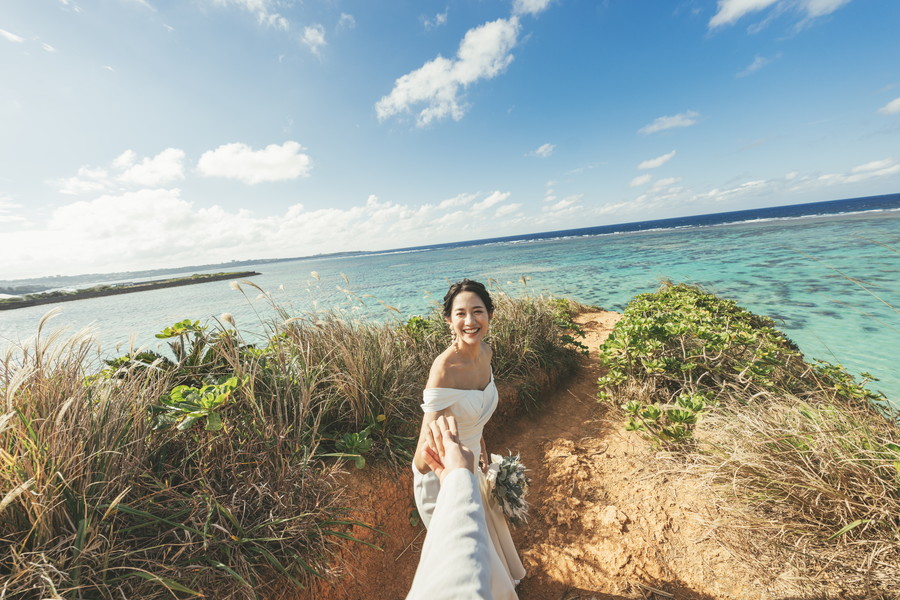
[[444, 452]]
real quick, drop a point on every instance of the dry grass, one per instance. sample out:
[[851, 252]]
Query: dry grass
[[111, 486], [804, 459]]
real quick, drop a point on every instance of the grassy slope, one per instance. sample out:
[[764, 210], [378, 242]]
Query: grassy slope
[[213, 470], [802, 453]]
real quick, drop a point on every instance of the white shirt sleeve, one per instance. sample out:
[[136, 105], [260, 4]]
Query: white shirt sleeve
[[455, 560]]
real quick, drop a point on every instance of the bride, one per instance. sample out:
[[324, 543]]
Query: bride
[[461, 384]]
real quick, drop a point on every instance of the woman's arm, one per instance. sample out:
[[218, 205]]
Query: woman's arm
[[485, 457], [426, 438]]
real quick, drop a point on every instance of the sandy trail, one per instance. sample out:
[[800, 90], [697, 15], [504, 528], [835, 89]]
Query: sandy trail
[[604, 525]]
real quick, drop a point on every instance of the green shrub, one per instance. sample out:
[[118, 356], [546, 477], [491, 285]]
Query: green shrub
[[802, 453]]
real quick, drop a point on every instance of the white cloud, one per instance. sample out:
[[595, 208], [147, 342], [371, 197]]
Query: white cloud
[[484, 53], [820, 8], [262, 9], [158, 227], [530, 7], [459, 200], [273, 163], [568, 204], [143, 3], [11, 36], [124, 160], [165, 167], [346, 21], [438, 20], [685, 119], [730, 11], [491, 200], [641, 180], [314, 38], [891, 108], [543, 151], [875, 165], [659, 161], [666, 182], [6, 208], [863, 172], [507, 209], [758, 63], [87, 181]]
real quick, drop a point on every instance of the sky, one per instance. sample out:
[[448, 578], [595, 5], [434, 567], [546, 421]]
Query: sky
[[141, 134]]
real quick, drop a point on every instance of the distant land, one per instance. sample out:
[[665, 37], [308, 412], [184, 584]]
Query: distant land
[[18, 287], [115, 289]]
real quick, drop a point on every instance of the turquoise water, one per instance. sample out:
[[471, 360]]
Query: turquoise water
[[818, 277]]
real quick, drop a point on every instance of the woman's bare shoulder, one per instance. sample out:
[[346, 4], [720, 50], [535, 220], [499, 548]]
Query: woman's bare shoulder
[[440, 373]]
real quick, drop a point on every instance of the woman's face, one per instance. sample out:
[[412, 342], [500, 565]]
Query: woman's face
[[469, 319]]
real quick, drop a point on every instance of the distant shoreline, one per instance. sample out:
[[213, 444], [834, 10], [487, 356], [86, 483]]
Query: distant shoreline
[[130, 288]]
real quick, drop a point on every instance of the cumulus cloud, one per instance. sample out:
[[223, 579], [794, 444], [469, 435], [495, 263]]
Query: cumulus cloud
[[165, 167], [659, 161], [891, 108], [730, 11], [127, 169], [272, 163], [9, 36], [314, 38], [530, 7], [685, 119], [543, 151], [641, 180], [484, 53], [152, 228], [492, 199]]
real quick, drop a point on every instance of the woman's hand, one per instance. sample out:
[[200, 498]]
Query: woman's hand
[[485, 457], [427, 441], [453, 455]]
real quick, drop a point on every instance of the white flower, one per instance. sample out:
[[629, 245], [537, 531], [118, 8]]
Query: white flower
[[492, 472]]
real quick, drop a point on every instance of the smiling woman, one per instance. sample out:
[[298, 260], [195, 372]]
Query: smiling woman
[[461, 384]]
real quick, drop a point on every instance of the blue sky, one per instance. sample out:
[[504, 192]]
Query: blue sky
[[148, 133]]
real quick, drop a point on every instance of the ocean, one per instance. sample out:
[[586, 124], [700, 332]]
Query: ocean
[[827, 272]]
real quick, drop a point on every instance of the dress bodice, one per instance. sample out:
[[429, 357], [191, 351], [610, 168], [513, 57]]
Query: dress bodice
[[472, 409]]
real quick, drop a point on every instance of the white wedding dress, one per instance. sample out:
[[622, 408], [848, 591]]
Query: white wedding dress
[[472, 410]]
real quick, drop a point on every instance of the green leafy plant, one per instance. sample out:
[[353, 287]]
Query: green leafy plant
[[683, 349], [186, 405]]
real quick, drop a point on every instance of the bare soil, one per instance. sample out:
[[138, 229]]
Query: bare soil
[[606, 522]]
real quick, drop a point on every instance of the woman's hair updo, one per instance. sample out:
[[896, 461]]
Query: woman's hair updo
[[467, 285]]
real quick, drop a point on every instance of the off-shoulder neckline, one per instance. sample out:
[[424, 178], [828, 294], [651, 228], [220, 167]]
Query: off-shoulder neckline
[[489, 383]]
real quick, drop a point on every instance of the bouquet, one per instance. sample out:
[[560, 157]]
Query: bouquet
[[506, 476]]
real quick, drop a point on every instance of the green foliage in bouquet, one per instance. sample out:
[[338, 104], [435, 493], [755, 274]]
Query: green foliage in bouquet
[[507, 476]]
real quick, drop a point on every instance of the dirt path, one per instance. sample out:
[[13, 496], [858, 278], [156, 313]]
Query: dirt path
[[604, 524]]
